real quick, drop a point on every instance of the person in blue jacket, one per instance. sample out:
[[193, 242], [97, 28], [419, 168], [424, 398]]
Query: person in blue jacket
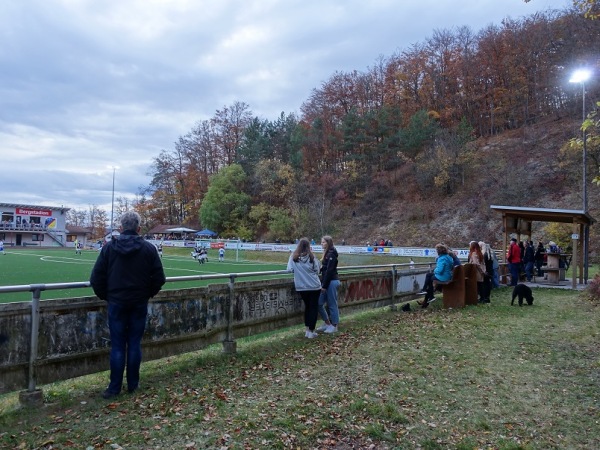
[[442, 272]]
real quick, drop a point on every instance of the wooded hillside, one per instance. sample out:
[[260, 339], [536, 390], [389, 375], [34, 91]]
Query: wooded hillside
[[412, 149]]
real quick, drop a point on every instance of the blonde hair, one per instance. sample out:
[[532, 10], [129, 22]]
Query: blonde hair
[[485, 249]]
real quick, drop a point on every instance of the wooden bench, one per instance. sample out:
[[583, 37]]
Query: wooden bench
[[453, 290], [555, 274], [471, 284]]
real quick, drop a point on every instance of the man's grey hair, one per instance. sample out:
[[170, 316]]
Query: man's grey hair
[[130, 221]]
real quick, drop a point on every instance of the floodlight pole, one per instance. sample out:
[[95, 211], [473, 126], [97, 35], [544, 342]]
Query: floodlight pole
[[585, 199], [586, 229], [581, 76], [112, 208]]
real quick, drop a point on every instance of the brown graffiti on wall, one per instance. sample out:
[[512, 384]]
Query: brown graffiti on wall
[[368, 289]]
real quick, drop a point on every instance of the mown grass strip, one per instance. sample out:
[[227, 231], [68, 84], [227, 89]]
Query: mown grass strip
[[491, 376]]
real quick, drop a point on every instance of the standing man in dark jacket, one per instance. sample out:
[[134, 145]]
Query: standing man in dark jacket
[[528, 260], [127, 273], [540, 252]]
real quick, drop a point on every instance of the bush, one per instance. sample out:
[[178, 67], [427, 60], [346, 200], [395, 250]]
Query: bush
[[592, 292]]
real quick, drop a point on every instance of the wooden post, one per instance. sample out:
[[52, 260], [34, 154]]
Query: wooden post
[[505, 245], [575, 260], [582, 256]]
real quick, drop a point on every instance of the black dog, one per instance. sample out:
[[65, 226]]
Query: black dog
[[522, 291]]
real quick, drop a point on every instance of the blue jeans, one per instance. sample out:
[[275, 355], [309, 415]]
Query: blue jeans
[[496, 279], [515, 272], [331, 298], [126, 324], [529, 270]]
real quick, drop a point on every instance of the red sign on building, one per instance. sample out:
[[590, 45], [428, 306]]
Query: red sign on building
[[34, 212]]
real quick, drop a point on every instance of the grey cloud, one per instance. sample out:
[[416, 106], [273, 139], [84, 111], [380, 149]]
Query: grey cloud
[[87, 84]]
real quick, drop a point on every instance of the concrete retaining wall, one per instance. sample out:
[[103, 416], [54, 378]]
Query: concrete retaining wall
[[73, 337]]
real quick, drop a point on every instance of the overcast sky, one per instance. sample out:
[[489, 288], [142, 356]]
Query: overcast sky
[[87, 84]]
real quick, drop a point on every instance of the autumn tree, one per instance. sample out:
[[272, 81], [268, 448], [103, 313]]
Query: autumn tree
[[229, 125], [281, 225], [164, 189], [590, 8], [98, 220], [77, 217], [143, 207], [225, 206], [445, 161]]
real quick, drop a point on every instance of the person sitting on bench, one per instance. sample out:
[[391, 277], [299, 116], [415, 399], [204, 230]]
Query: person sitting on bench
[[442, 272]]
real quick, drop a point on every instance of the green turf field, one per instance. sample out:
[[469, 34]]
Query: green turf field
[[43, 266]]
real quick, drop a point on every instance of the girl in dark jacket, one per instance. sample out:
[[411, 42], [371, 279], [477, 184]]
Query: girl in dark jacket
[[329, 286]]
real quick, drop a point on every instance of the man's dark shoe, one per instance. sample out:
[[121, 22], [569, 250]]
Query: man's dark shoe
[[107, 395]]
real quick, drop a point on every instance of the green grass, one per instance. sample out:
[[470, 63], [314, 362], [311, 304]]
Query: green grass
[[42, 266], [486, 377]]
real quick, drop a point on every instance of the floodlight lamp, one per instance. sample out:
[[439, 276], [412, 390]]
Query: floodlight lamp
[[580, 76]]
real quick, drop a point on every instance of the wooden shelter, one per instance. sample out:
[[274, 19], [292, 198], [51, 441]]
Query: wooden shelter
[[517, 220]]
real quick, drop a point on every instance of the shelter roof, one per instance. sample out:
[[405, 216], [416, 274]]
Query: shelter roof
[[161, 229], [546, 214], [78, 230]]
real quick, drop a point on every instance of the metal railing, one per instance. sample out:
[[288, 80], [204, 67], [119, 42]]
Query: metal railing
[[37, 289], [22, 227]]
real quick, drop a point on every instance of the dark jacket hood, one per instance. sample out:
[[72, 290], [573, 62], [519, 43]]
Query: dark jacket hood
[[127, 242]]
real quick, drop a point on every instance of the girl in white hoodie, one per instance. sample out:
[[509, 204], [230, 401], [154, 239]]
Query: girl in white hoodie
[[306, 280]]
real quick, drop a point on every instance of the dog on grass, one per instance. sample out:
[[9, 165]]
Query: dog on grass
[[523, 292]]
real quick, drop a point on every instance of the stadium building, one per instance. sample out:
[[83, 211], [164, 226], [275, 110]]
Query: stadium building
[[34, 225]]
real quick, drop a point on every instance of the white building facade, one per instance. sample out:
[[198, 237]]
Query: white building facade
[[33, 225]]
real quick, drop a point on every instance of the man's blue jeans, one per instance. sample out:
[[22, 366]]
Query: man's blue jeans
[[515, 273], [126, 324], [330, 297], [529, 270]]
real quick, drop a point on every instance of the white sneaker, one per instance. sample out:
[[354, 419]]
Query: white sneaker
[[311, 335], [323, 327], [330, 329]]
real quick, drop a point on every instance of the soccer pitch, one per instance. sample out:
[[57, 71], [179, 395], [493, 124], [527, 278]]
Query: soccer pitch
[[43, 266]]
